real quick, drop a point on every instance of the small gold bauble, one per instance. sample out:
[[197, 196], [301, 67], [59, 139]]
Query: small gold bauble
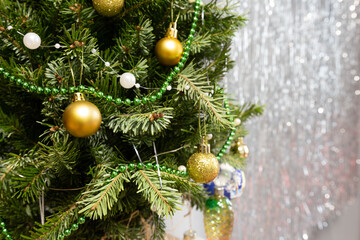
[[81, 118], [203, 167], [108, 8], [240, 148], [169, 49]]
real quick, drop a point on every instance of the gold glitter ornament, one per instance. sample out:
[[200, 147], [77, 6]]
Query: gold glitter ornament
[[108, 8], [218, 216], [169, 49], [240, 148], [81, 118], [202, 166]]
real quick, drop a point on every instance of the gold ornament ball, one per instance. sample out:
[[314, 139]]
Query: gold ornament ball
[[82, 119], [203, 167], [240, 148], [108, 8], [169, 50]]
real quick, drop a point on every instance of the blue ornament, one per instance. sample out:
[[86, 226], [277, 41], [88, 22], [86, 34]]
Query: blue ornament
[[210, 187], [233, 180]]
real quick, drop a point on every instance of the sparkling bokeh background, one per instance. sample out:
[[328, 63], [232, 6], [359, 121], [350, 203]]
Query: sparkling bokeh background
[[302, 59]]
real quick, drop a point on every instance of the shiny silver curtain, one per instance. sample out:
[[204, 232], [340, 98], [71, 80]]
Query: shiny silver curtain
[[301, 59]]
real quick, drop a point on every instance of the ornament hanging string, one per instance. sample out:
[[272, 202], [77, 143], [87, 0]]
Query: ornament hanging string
[[137, 153], [158, 167], [42, 207]]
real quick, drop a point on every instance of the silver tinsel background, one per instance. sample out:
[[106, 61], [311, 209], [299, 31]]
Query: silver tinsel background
[[301, 59]]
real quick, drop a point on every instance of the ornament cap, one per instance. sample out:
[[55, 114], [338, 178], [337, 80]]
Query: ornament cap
[[172, 31], [219, 191], [240, 141], [78, 97], [203, 147]]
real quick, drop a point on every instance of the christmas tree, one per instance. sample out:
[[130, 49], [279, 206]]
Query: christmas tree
[[111, 166]]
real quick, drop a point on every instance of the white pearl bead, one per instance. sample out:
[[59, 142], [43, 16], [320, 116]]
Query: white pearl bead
[[107, 64], [209, 136], [32, 40], [237, 121], [137, 85], [9, 28], [57, 46], [182, 168], [93, 51], [127, 80], [168, 88], [187, 87]]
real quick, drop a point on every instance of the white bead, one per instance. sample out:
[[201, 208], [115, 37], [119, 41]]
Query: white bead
[[168, 88], [57, 46], [127, 80], [32, 40], [182, 168], [107, 64], [187, 87], [209, 136], [93, 51], [237, 121], [137, 85], [9, 28]]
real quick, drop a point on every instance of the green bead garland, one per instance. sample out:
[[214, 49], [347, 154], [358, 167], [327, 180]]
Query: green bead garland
[[73, 227], [158, 95], [227, 143], [67, 232], [3, 229]]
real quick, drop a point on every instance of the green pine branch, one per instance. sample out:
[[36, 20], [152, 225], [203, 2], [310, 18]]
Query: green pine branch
[[54, 225], [30, 182], [201, 42], [189, 188], [249, 110], [137, 124], [234, 160], [103, 196], [164, 200], [200, 90]]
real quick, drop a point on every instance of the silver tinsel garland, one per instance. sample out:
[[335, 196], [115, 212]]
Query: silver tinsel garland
[[302, 59]]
